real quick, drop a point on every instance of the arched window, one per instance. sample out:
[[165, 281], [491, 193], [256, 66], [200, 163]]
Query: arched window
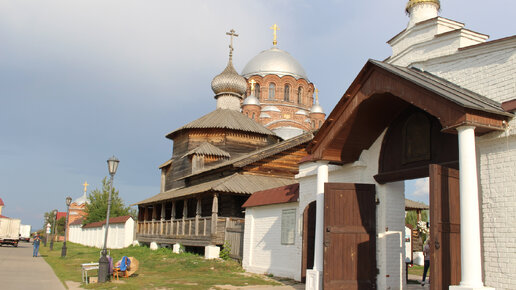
[[257, 90], [253, 116], [300, 95], [286, 95], [272, 91], [313, 124]]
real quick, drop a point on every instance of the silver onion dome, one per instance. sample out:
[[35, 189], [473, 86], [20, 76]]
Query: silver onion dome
[[316, 108], [274, 61], [229, 82], [251, 100]]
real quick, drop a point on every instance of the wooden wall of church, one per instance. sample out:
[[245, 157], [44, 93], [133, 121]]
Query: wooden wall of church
[[235, 143]]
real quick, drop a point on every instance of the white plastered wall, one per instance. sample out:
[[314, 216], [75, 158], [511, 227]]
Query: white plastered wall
[[263, 251], [390, 212], [119, 235]]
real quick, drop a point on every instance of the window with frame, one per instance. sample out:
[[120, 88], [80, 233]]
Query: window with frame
[[300, 95], [288, 226], [272, 91], [257, 90], [286, 95]]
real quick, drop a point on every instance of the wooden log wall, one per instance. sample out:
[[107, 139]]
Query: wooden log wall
[[234, 142]]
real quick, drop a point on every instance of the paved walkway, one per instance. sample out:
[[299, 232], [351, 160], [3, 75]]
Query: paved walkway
[[19, 270]]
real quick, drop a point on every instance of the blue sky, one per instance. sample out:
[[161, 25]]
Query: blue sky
[[83, 80]]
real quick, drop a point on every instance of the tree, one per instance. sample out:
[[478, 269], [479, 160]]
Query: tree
[[411, 217], [48, 218], [96, 210]]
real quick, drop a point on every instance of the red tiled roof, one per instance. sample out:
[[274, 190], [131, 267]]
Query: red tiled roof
[[282, 194], [61, 215], [115, 220], [1, 201], [3, 216]]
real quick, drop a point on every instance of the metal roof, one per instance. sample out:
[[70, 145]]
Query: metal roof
[[236, 183], [276, 62], [444, 88], [208, 149], [113, 220], [283, 194], [260, 154], [412, 205], [225, 119]]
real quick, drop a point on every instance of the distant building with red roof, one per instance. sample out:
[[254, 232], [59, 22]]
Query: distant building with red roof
[[1, 206]]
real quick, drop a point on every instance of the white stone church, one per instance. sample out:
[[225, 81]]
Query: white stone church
[[441, 106]]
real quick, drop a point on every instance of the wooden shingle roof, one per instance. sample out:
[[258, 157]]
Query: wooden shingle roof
[[235, 183], [414, 205], [208, 149], [225, 119]]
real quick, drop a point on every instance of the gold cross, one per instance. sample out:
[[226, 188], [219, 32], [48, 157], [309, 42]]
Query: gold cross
[[85, 186], [316, 94], [275, 28], [231, 33], [252, 82]]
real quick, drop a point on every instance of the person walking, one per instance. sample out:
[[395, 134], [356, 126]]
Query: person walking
[[35, 245], [426, 253]]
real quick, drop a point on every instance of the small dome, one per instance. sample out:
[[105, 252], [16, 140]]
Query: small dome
[[276, 62], [316, 108], [229, 82], [81, 200], [251, 100]]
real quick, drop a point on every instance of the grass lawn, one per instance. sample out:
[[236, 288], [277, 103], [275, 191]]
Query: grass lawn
[[157, 269], [417, 270]]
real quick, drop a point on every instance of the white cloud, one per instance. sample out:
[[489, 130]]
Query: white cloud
[[421, 188]]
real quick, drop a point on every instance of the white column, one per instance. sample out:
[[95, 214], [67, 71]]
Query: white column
[[471, 269], [322, 178], [314, 277]]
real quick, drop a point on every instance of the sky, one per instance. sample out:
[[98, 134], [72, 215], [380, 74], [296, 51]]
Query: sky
[[81, 81]]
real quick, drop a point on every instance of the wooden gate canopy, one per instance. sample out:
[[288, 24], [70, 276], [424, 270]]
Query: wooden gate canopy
[[381, 92]]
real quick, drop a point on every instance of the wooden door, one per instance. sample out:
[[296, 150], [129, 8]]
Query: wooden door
[[308, 239], [350, 236], [444, 227]]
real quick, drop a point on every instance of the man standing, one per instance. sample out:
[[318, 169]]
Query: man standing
[[35, 246], [426, 253]]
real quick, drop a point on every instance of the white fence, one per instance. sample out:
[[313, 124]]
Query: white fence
[[120, 235]]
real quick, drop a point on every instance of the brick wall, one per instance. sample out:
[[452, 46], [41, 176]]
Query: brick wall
[[497, 168], [491, 74]]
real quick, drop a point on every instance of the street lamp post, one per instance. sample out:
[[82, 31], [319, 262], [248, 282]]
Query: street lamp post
[[53, 230], [103, 261], [68, 202], [47, 231]]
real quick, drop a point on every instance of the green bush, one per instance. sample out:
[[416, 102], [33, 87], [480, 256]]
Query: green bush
[[226, 250]]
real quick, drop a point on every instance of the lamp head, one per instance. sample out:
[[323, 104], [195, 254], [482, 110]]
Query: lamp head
[[112, 165], [68, 201]]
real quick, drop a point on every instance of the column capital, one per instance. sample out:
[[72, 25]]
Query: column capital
[[465, 127], [322, 162]]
